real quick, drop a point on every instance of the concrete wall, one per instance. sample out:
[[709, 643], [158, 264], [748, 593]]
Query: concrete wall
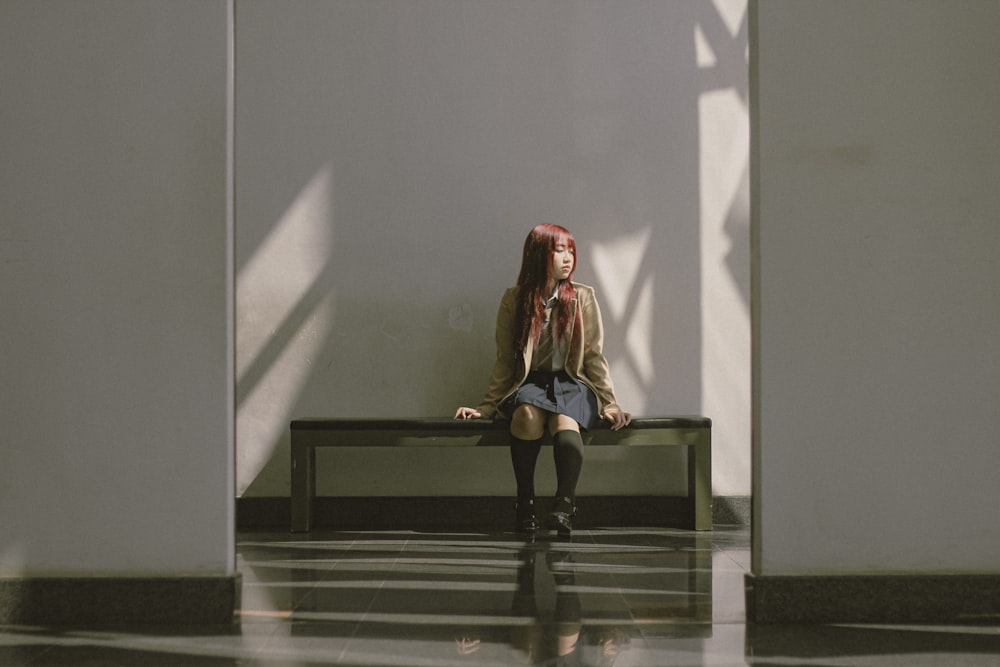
[[879, 315], [391, 158], [116, 454]]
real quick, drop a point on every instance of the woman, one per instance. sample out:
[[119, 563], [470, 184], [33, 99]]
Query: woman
[[550, 372]]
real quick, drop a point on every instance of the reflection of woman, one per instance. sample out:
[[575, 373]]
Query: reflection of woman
[[544, 635], [550, 372], [559, 643]]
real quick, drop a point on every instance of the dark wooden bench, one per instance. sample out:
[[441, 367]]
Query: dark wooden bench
[[692, 432]]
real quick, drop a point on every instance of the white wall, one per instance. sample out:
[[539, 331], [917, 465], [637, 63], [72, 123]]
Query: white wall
[[879, 313], [115, 364], [391, 158]]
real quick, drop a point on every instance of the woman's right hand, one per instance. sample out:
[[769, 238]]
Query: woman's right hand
[[468, 413]]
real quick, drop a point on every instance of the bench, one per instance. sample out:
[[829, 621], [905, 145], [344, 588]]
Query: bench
[[692, 432]]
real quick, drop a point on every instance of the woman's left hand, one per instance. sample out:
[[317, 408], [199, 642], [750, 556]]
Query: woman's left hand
[[618, 418]]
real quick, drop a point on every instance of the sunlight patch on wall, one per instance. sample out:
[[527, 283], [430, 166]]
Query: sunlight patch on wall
[[724, 146], [284, 314], [639, 335], [627, 304], [705, 55], [617, 264], [267, 409], [732, 12], [284, 267]]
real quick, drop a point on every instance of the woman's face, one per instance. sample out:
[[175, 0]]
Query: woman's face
[[563, 261]]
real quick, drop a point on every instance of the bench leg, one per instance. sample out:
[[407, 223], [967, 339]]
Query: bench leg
[[303, 487], [700, 481], [700, 578]]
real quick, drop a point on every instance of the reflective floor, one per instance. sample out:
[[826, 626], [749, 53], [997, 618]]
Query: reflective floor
[[642, 596]]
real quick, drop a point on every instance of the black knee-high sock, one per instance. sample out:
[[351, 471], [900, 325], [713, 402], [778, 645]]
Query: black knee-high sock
[[523, 456], [567, 451]]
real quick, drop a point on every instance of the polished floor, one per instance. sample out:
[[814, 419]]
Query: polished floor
[[616, 596]]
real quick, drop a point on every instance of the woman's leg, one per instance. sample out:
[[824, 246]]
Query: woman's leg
[[527, 426], [528, 422], [567, 451]]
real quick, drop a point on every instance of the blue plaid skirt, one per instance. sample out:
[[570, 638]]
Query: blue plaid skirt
[[558, 393]]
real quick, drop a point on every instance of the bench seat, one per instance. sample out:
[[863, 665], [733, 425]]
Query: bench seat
[[693, 432]]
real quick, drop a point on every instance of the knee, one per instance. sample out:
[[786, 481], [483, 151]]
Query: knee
[[527, 423], [559, 423]]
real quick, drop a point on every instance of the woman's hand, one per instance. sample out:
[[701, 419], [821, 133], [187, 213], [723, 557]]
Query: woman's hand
[[618, 418], [468, 413]]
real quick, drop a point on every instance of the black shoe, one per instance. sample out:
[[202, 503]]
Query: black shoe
[[526, 521], [560, 519]]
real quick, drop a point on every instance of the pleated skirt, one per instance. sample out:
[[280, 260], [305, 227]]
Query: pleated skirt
[[556, 392]]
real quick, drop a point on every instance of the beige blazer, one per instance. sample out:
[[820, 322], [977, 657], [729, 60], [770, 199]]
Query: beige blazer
[[585, 359]]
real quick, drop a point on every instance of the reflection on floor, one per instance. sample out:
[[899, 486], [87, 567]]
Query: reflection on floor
[[644, 596]]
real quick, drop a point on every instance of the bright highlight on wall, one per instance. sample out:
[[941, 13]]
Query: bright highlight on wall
[[628, 305], [724, 147], [281, 289], [628, 291]]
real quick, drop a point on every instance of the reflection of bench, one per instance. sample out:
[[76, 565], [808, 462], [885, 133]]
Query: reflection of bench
[[695, 433]]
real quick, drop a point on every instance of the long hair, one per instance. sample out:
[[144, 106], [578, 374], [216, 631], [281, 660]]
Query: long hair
[[532, 282]]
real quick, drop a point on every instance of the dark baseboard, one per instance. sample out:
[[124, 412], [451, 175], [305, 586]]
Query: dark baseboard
[[488, 512], [118, 601], [731, 510], [903, 598]]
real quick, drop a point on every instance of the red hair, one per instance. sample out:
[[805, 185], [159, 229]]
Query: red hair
[[533, 282]]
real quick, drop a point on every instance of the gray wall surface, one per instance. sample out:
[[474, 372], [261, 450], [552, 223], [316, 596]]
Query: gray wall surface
[[392, 156], [116, 391], [879, 315]]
